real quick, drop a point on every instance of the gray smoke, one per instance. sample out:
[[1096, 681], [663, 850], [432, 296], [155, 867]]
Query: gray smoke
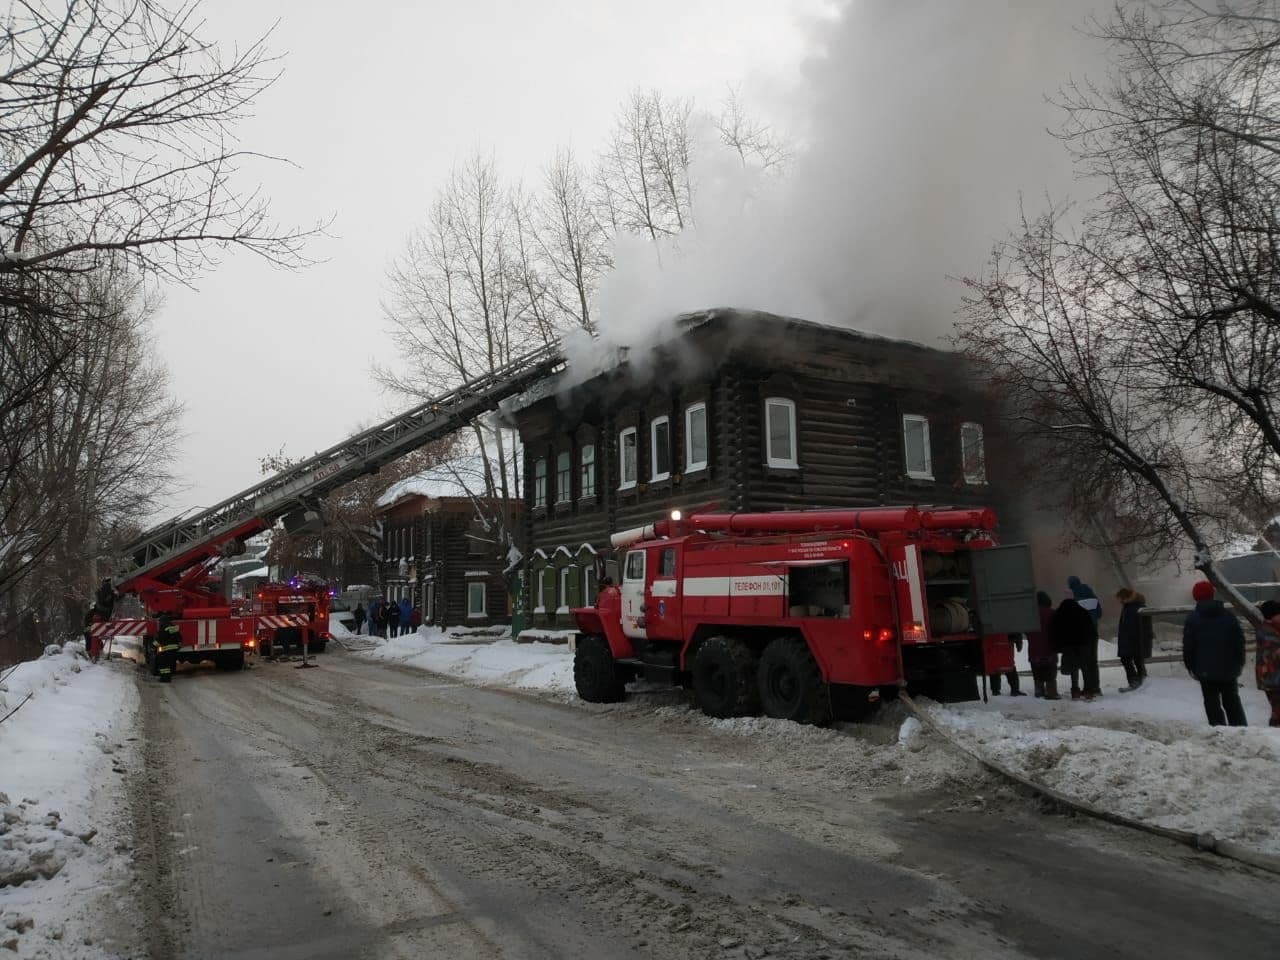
[[922, 123]]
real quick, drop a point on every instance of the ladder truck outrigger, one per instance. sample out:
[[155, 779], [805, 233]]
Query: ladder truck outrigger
[[170, 567], [807, 614]]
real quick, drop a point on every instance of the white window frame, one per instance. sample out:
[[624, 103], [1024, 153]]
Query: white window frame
[[540, 488], [624, 483], [587, 471], [562, 591], [656, 422], [541, 605], [564, 496], [484, 599], [927, 473], [980, 477], [690, 464], [588, 588], [792, 462]]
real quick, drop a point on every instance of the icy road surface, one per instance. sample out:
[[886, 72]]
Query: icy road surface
[[366, 810]]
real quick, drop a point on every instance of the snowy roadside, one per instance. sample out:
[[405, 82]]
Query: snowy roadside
[[61, 797], [496, 661], [1147, 755]]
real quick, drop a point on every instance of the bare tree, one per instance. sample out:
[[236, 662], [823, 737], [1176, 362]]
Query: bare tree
[[756, 144], [1150, 336], [573, 245], [642, 175], [95, 456], [117, 133]]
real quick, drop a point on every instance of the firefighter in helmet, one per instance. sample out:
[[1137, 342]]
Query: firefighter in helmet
[[167, 639]]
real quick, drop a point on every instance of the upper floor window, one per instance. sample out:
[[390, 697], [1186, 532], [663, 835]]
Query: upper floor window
[[564, 472], [587, 456], [695, 437], [660, 447], [627, 458], [972, 455], [780, 436], [915, 446], [540, 482]]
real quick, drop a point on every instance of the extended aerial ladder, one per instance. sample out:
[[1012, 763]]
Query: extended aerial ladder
[[169, 565]]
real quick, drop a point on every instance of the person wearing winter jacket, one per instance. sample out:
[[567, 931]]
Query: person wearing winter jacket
[[1044, 659], [405, 609], [1073, 632], [1267, 664], [371, 614], [1133, 637], [392, 613], [1015, 690], [415, 620], [357, 618], [1213, 652], [1085, 596]]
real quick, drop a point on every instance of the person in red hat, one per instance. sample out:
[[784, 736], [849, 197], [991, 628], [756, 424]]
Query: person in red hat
[[1213, 652]]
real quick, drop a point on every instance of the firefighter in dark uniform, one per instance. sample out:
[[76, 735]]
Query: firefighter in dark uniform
[[167, 639]]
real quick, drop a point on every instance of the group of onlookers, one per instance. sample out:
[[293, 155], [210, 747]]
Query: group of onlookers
[[1213, 649], [388, 618]]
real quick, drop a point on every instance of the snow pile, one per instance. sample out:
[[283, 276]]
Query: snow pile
[[62, 753], [1147, 755], [487, 660]]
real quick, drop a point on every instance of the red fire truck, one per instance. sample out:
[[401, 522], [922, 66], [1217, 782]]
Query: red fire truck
[[292, 615], [803, 613]]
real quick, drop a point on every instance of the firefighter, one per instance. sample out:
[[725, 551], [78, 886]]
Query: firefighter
[[168, 638]]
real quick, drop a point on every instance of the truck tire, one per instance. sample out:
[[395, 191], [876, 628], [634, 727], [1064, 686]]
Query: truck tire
[[595, 673], [724, 678], [790, 682]]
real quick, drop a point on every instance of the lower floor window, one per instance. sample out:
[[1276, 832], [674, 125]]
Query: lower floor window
[[475, 599]]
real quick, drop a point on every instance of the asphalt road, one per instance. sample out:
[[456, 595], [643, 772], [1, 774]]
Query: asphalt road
[[362, 810]]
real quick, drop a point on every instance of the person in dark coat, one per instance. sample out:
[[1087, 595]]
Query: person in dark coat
[[1267, 664], [1074, 633], [357, 616], [1133, 637], [1213, 652], [415, 620], [1044, 660], [393, 618]]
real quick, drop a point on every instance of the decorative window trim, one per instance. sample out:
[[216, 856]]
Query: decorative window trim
[[980, 477], [541, 581], [691, 465], [783, 463], [624, 483], [927, 473], [562, 589]]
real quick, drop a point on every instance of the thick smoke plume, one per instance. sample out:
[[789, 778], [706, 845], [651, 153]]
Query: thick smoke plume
[[922, 123]]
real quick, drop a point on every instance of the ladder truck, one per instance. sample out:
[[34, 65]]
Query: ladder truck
[[169, 567], [807, 614]]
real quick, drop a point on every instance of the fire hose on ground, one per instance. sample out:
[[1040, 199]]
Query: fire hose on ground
[[1198, 841]]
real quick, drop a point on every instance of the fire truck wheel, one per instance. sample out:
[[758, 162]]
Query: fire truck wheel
[[724, 678], [594, 673], [791, 686]]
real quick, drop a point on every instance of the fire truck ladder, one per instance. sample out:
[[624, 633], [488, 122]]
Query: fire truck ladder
[[164, 552]]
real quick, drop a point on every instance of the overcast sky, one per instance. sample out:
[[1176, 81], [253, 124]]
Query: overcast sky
[[923, 126], [376, 102]]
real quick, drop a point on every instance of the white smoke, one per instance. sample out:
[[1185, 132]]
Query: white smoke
[[924, 123]]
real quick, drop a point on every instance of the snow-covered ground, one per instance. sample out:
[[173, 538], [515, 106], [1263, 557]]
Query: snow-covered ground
[[489, 660], [1148, 755], [61, 794]]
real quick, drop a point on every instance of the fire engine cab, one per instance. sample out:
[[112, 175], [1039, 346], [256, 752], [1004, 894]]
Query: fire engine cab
[[808, 614]]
